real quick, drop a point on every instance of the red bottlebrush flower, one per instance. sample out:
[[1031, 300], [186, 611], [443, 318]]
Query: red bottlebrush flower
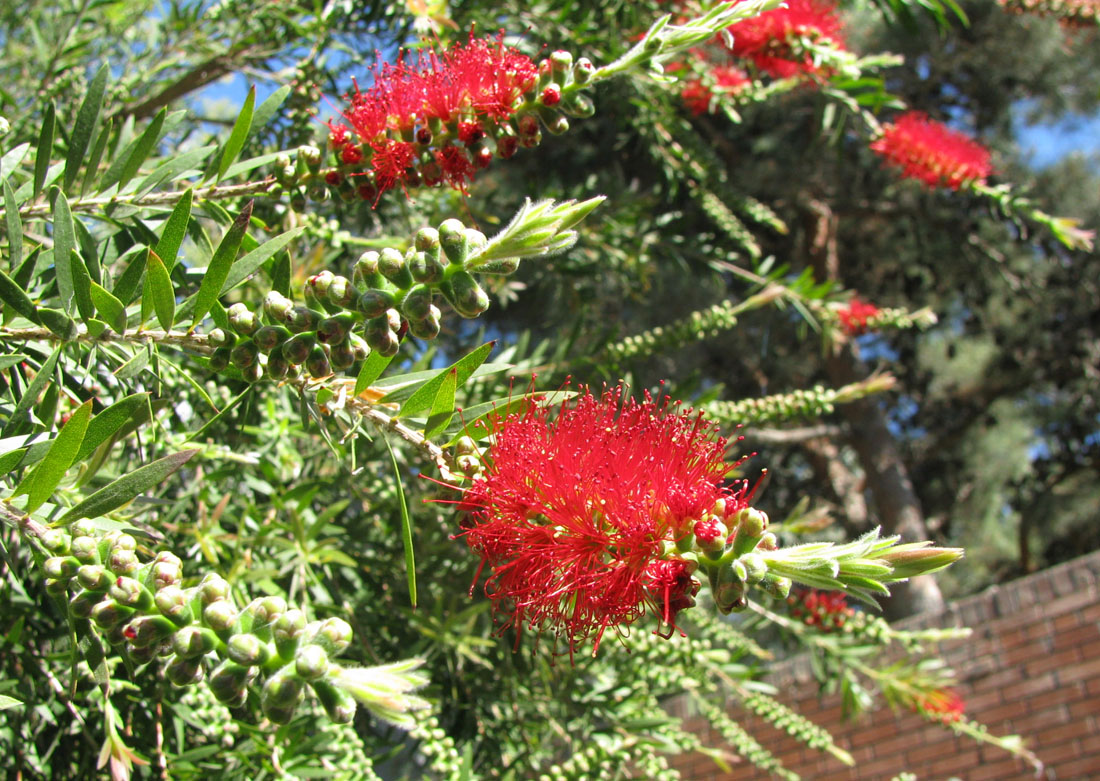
[[828, 610], [338, 134], [697, 95], [551, 96], [932, 152], [943, 705], [391, 162], [578, 504], [456, 166], [770, 40], [483, 75], [470, 132], [351, 154], [856, 315]]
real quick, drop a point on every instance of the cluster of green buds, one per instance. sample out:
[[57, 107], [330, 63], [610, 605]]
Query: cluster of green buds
[[814, 402], [1072, 14], [391, 294], [144, 611], [737, 551]]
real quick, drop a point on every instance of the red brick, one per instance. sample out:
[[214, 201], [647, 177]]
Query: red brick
[[1084, 768], [1002, 769], [1063, 752], [1029, 686], [1078, 728], [1054, 661], [1010, 710], [1084, 709], [1090, 668], [956, 764], [931, 751], [1067, 622], [1093, 686], [1078, 637]]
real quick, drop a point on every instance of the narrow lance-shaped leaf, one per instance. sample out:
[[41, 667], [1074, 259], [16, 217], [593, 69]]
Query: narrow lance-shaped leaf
[[129, 162], [15, 297], [45, 149], [64, 240], [218, 270], [110, 308], [128, 487], [30, 396], [86, 118], [82, 286], [443, 407], [58, 322], [406, 528], [239, 135], [371, 370], [158, 289], [15, 228], [39, 484], [97, 154], [425, 394], [174, 231], [110, 420]]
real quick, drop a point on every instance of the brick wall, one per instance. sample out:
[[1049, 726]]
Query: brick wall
[[1031, 667]]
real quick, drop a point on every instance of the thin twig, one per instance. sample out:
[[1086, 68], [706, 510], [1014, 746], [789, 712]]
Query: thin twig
[[192, 341], [214, 192]]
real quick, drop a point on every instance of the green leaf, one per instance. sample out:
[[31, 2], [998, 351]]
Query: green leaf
[[206, 426], [7, 703], [7, 361], [58, 322], [426, 393], [133, 367], [128, 487], [406, 528], [45, 149], [174, 231], [126, 285], [129, 162], [266, 110], [82, 286], [86, 118], [30, 396], [443, 407], [106, 423], [256, 258], [173, 167], [15, 297], [218, 271], [12, 160], [11, 460], [371, 370], [239, 135], [39, 484], [158, 289], [109, 307], [97, 154], [64, 241], [15, 228]]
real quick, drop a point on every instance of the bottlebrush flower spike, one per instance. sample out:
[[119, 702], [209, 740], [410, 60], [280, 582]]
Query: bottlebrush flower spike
[[771, 40], [828, 610], [855, 316], [932, 152], [698, 94], [433, 121], [578, 507], [943, 705]]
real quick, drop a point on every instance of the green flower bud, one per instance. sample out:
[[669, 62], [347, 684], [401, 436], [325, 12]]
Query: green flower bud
[[468, 299], [282, 689], [426, 268], [288, 631], [561, 66], [391, 264], [94, 577], [312, 662], [751, 524], [219, 359], [502, 266], [428, 327], [277, 306], [148, 630], [192, 642], [220, 616], [334, 635], [140, 655], [578, 105], [213, 587], [296, 349], [269, 337], [335, 329], [756, 567], [57, 588], [278, 367], [183, 671], [777, 586], [302, 319], [374, 303], [123, 542], [131, 593], [341, 357], [244, 355], [427, 240], [583, 71], [318, 284], [338, 704], [359, 347], [173, 603], [81, 605], [229, 680], [342, 292], [247, 649], [242, 320], [453, 240], [56, 541], [317, 364], [61, 567], [108, 614], [83, 528], [417, 302], [366, 270], [380, 338]]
